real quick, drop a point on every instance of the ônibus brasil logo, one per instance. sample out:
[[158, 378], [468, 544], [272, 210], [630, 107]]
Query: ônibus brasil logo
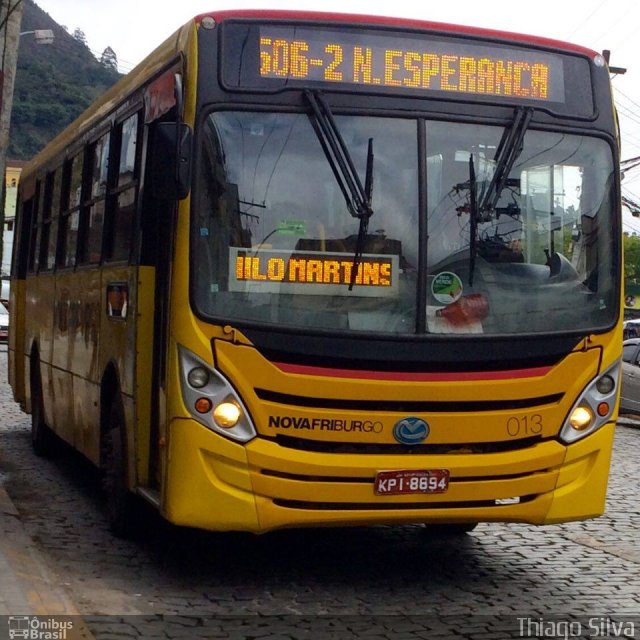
[[39, 627], [411, 431]]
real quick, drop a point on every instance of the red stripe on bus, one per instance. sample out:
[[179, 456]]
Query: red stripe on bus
[[406, 376], [363, 20]]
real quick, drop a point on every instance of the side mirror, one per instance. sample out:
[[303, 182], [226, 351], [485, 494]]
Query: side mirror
[[170, 157]]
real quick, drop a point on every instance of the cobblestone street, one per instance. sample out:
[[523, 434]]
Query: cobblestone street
[[376, 582]]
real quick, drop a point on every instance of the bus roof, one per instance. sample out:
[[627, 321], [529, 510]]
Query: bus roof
[[171, 48], [406, 23]]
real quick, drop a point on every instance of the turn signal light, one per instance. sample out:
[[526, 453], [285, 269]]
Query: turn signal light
[[203, 405], [603, 409]]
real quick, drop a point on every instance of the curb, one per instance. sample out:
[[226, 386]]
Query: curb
[[27, 586], [629, 421]]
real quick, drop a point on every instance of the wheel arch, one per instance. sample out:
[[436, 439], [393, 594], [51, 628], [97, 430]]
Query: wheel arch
[[33, 365], [109, 393]]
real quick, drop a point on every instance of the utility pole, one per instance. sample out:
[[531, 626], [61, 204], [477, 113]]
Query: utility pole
[[10, 19]]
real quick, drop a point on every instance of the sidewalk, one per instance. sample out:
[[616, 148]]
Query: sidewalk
[[27, 586]]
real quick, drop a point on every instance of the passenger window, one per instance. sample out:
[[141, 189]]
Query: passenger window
[[123, 195], [50, 213], [128, 150], [93, 201], [100, 167], [70, 211], [35, 231]]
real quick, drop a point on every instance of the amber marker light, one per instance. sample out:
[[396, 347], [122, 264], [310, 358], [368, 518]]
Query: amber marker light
[[581, 418], [603, 409], [203, 405], [226, 415]]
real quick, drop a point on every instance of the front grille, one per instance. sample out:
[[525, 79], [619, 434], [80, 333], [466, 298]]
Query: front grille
[[408, 406], [389, 506], [370, 480], [321, 446]]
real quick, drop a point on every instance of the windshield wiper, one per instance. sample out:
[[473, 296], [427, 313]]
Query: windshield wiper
[[357, 196], [507, 153], [473, 219]]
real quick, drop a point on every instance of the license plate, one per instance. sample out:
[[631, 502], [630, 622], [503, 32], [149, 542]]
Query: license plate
[[392, 483]]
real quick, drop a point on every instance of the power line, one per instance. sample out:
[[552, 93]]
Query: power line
[[618, 43], [611, 29], [633, 102], [588, 18], [626, 136], [633, 206], [126, 66], [628, 113]]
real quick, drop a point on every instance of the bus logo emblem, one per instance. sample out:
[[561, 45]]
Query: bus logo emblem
[[411, 431]]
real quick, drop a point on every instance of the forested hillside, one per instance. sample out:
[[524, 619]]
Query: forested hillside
[[54, 84]]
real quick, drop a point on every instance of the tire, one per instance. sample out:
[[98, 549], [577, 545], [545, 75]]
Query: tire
[[43, 440], [120, 502], [451, 529]]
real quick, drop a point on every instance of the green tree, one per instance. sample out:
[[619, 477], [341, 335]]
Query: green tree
[[632, 258], [54, 83]]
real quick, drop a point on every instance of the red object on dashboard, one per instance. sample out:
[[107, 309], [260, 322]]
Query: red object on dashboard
[[468, 309]]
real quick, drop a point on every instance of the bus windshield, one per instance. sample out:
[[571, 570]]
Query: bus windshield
[[274, 238]]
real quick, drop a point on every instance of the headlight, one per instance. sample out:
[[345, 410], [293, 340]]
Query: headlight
[[581, 418], [212, 400], [198, 377], [227, 414], [593, 408]]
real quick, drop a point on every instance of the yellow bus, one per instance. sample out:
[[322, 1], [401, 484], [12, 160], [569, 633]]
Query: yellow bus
[[303, 269]]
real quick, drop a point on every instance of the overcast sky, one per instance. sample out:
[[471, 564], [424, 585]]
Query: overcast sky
[[132, 28]]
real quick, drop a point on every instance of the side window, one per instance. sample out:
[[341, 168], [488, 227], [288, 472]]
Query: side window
[[52, 212], [94, 200], [628, 351], [49, 227], [70, 210], [36, 230], [22, 241], [124, 191]]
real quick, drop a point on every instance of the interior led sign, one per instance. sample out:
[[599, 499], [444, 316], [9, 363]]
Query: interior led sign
[[378, 59], [311, 273]]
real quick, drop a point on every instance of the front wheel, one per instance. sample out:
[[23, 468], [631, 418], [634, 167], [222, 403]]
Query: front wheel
[[43, 440], [120, 502]]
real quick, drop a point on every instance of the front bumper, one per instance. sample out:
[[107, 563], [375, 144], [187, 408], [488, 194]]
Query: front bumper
[[216, 484]]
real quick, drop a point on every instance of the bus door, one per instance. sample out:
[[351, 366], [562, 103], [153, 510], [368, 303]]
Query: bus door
[[156, 251]]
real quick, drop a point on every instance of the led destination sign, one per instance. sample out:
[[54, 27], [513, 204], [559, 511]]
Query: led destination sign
[[311, 273], [393, 61]]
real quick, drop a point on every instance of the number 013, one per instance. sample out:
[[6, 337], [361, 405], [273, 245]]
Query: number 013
[[530, 425]]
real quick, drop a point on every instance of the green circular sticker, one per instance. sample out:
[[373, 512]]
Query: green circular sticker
[[446, 287]]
